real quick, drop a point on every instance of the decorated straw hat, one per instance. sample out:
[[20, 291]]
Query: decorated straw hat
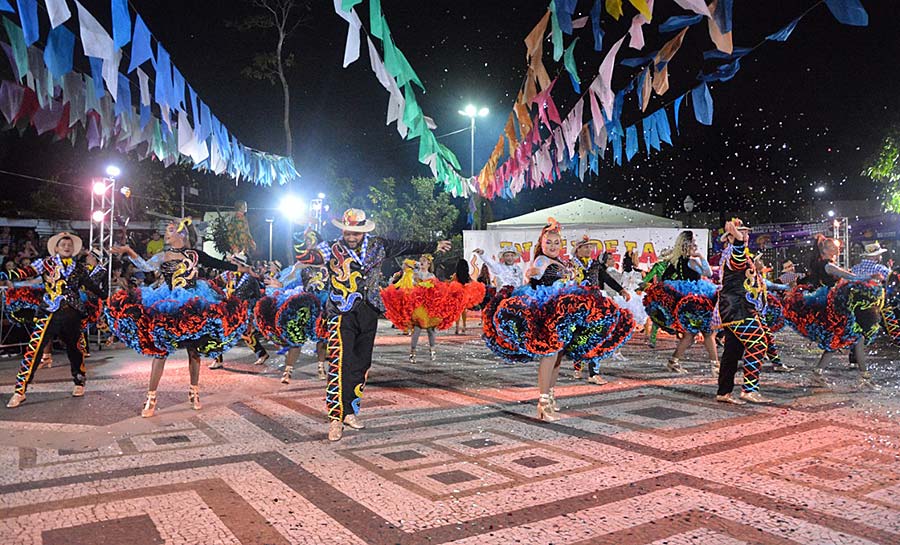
[[787, 265], [509, 250], [873, 250], [585, 240], [354, 220], [54, 241]]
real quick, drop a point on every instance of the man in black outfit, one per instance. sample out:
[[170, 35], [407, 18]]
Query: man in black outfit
[[353, 307]]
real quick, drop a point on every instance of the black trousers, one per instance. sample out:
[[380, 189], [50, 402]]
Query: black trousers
[[66, 323], [351, 339]]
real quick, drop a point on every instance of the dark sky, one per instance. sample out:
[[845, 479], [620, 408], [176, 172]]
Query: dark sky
[[799, 113]]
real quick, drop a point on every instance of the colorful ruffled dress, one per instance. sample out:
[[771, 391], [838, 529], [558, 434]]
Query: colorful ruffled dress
[[428, 303], [292, 315], [682, 302], [551, 315], [22, 304], [182, 312], [836, 316]]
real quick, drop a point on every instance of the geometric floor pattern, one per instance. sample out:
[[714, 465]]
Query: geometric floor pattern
[[452, 454]]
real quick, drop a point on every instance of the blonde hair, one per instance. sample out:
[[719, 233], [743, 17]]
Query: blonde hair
[[682, 246]]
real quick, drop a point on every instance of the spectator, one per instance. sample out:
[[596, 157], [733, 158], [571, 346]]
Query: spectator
[[789, 275], [155, 244], [6, 237]]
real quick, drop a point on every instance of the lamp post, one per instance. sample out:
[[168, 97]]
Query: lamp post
[[270, 221], [193, 191], [688, 207], [471, 111]]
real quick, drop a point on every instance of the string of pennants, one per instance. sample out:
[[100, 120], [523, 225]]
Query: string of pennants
[[537, 142], [399, 79], [539, 145], [164, 118]]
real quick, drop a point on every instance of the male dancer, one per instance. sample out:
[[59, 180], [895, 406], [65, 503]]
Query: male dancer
[[62, 310], [354, 304], [506, 272]]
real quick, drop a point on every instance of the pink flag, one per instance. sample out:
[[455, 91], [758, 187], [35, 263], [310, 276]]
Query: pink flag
[[604, 82]]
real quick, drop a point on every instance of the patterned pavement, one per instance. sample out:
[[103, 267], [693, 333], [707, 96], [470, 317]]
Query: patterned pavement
[[451, 454]]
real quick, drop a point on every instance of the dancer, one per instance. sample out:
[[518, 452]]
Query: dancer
[[836, 309], [61, 311], [683, 302], [182, 312], [506, 272], [655, 273], [289, 316], [354, 303], [741, 300], [245, 287], [591, 272], [463, 276], [771, 311], [551, 317]]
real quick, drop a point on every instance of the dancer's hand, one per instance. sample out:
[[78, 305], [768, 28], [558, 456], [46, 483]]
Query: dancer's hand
[[731, 228], [273, 283], [443, 246], [625, 295], [123, 250], [478, 251]]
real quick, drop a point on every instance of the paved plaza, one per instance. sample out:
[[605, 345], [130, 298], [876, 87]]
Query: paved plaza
[[452, 453]]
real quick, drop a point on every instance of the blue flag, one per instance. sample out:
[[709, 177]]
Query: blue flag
[[703, 104], [848, 12], [783, 34], [121, 23], [140, 45], [29, 19], [58, 53]]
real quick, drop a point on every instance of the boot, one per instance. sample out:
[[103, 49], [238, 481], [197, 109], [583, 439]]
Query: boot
[[335, 430], [194, 397], [150, 405], [553, 404], [320, 371], [261, 360], [15, 400], [286, 375], [714, 368], [755, 397]]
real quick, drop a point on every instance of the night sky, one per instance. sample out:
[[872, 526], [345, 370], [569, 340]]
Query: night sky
[[797, 114]]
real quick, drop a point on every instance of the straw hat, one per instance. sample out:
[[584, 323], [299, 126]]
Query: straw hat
[[354, 220], [874, 249], [54, 241]]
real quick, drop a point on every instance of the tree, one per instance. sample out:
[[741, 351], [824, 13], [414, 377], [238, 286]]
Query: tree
[[283, 17], [413, 210], [884, 168]]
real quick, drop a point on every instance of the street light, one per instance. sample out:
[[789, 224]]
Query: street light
[[270, 221], [471, 111], [831, 213], [688, 205], [292, 207], [820, 189], [113, 171]]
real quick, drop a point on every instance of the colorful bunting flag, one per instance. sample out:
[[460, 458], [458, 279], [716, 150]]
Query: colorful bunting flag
[[29, 20], [140, 45], [703, 104], [783, 34], [59, 51], [848, 12], [121, 20]]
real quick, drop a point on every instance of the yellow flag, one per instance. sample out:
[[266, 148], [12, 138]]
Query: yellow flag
[[641, 6], [614, 8]]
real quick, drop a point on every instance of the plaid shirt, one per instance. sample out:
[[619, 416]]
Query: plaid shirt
[[868, 267]]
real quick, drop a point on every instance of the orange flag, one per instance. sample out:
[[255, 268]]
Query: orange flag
[[723, 41], [645, 89], [510, 131], [523, 115], [661, 81]]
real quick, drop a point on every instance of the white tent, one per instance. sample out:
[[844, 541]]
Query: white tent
[[584, 213]]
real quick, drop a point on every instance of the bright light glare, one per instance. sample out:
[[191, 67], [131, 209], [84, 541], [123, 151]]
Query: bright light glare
[[292, 207], [483, 112], [820, 189], [471, 110], [99, 188], [97, 216], [831, 213], [321, 195], [113, 170]]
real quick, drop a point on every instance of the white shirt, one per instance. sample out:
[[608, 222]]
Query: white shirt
[[504, 275]]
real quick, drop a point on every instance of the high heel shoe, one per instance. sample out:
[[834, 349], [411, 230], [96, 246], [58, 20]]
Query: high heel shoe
[[320, 371], [150, 405], [545, 410], [553, 404], [674, 365], [194, 397], [433, 355], [412, 356], [286, 375]]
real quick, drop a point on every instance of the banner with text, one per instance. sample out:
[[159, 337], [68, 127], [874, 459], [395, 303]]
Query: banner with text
[[649, 242]]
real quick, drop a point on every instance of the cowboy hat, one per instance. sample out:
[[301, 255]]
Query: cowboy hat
[[240, 258], [787, 265], [584, 241], [354, 220], [509, 250], [874, 249], [54, 240]]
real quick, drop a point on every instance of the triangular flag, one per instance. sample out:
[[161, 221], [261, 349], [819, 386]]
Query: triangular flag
[[58, 11], [58, 54], [848, 12], [703, 104], [783, 34], [140, 45], [121, 23], [94, 39], [351, 49], [29, 19]]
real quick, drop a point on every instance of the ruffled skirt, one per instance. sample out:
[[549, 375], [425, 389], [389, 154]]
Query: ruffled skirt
[[682, 306], [23, 304], [528, 323], [438, 306], [291, 317], [635, 306], [158, 321], [773, 315], [838, 317]]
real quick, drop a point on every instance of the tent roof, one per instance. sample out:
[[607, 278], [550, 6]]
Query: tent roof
[[586, 212]]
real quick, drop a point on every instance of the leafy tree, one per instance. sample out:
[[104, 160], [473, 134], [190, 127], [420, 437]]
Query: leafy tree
[[282, 18], [885, 169], [412, 210], [47, 201]]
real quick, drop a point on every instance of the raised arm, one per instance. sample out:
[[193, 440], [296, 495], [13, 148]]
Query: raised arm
[[838, 272]]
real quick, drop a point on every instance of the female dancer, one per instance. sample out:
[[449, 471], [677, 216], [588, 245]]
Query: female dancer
[[683, 302], [551, 317], [836, 309], [183, 312]]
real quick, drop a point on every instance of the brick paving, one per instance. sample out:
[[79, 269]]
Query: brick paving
[[451, 454]]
